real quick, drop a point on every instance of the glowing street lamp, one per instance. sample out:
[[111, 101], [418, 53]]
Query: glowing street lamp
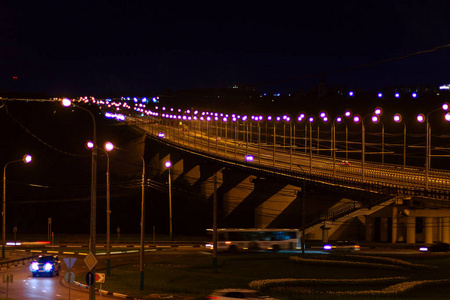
[[168, 165], [422, 118], [375, 118], [26, 159], [93, 228], [398, 119], [111, 147], [310, 121], [108, 147]]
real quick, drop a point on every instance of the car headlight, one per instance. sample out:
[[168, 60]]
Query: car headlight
[[423, 249], [48, 267], [34, 267], [327, 247]]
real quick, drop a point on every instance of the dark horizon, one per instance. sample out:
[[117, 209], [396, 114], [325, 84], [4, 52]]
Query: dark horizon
[[141, 48]]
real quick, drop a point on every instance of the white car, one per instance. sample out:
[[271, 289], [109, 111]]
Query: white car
[[232, 294]]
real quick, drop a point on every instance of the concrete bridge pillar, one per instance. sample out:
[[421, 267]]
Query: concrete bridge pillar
[[384, 229], [445, 223], [325, 228], [411, 230], [369, 229], [394, 224], [428, 224]]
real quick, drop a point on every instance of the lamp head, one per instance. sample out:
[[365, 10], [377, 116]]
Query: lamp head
[[66, 102], [27, 158], [109, 146]]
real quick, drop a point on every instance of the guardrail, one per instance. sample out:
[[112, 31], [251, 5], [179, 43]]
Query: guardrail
[[15, 262]]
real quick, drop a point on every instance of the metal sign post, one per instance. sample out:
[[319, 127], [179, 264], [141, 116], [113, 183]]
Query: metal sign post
[[69, 277], [7, 279]]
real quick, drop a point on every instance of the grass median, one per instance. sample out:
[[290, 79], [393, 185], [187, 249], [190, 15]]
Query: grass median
[[316, 276]]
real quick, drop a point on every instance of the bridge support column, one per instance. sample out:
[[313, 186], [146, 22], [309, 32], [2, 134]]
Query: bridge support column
[[325, 228], [369, 229], [445, 223], [411, 230], [428, 225], [394, 225], [384, 229]]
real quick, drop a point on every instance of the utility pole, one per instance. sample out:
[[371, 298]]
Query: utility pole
[[215, 224]]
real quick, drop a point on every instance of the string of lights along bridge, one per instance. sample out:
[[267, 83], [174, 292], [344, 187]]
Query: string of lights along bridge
[[309, 145]]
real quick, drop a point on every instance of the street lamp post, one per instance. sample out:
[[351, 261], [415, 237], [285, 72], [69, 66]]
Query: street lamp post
[[26, 159], [108, 147], [168, 165], [398, 119], [92, 242], [421, 118], [375, 118], [141, 254], [310, 120]]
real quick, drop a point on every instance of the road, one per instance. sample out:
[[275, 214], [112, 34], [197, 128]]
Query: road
[[25, 286]]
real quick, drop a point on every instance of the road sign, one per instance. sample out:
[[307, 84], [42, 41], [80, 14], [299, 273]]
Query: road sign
[[69, 277], [100, 277], [90, 279], [70, 261], [90, 261]]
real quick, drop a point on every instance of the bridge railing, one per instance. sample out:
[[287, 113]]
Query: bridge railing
[[407, 182]]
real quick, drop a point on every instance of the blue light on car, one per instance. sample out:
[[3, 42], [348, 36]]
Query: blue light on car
[[423, 249], [34, 267], [48, 267], [327, 247]]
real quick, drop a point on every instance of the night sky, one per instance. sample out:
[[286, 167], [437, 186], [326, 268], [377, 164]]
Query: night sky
[[113, 48]]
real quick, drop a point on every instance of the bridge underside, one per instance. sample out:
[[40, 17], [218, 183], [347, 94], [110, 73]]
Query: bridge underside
[[248, 199]]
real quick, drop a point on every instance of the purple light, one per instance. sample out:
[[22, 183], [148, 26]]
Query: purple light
[[356, 119], [447, 117], [311, 119], [380, 95], [327, 247], [339, 119], [445, 106], [348, 113], [397, 95], [375, 119], [351, 94], [249, 158], [325, 119], [168, 164], [420, 118], [397, 118], [414, 95], [323, 114], [161, 134], [378, 111]]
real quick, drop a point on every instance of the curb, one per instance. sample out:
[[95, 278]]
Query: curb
[[103, 292]]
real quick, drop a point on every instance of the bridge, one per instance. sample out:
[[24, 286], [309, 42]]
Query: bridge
[[300, 179]]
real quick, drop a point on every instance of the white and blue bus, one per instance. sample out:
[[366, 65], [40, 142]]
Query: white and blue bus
[[252, 239]]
